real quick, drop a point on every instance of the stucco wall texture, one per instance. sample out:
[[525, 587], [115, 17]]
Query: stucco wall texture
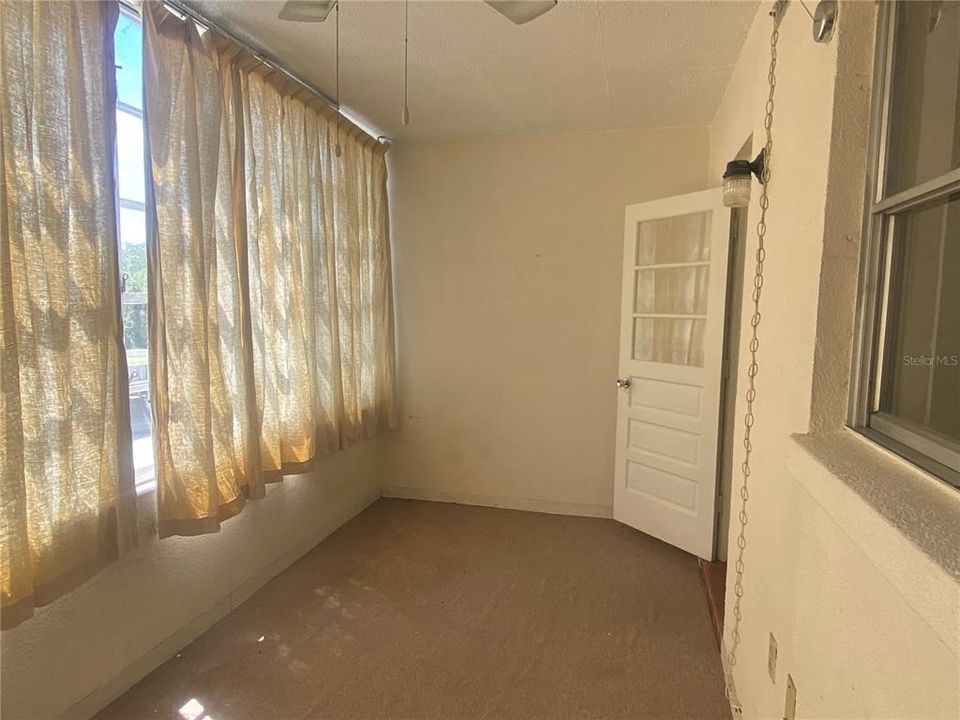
[[863, 600]]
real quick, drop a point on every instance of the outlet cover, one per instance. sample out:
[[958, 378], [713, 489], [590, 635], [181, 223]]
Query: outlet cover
[[772, 660], [790, 700]]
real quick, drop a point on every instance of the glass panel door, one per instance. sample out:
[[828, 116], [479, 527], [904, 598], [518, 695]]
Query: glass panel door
[[671, 282]]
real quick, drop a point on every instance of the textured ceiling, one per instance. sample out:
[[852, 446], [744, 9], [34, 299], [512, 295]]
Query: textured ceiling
[[582, 66]]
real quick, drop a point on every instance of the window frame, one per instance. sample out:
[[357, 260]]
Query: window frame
[[872, 332], [145, 479]]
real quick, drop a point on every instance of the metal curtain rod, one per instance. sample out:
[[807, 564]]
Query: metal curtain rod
[[266, 59]]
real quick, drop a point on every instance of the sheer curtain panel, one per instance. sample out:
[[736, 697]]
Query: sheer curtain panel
[[271, 303], [67, 499], [206, 456]]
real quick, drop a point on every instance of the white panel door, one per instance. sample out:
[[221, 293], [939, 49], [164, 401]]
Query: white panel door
[[671, 345]]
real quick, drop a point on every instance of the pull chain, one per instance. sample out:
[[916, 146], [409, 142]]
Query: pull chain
[[754, 346], [405, 115], [336, 147]]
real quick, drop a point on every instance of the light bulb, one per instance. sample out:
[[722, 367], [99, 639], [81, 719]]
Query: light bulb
[[736, 191], [736, 180]]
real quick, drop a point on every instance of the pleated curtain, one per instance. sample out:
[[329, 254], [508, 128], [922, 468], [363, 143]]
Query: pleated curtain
[[67, 500], [270, 298]]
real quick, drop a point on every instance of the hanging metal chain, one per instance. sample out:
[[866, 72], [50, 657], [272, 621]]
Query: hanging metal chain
[[405, 113], [751, 393], [338, 151]]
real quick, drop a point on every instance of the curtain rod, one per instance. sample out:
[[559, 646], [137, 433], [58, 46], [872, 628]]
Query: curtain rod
[[263, 57]]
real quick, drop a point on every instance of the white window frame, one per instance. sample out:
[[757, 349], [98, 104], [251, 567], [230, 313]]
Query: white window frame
[[934, 454]]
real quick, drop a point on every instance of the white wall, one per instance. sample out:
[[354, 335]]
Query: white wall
[[852, 554], [508, 272], [77, 654]]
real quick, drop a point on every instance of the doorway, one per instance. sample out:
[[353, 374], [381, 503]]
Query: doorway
[[679, 351], [714, 573]]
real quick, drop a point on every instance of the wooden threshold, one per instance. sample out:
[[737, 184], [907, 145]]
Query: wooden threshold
[[714, 576]]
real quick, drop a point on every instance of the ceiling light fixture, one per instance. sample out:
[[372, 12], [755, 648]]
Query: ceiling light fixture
[[736, 180], [306, 10], [824, 18], [521, 11]]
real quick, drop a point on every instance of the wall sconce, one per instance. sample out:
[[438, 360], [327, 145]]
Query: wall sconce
[[736, 180]]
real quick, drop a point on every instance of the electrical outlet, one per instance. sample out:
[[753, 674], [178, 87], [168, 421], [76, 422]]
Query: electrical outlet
[[772, 660], [790, 700]]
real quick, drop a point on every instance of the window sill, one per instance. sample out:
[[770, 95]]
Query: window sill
[[904, 520], [146, 487]]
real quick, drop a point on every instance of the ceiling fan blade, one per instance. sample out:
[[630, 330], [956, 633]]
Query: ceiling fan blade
[[306, 10], [521, 11]]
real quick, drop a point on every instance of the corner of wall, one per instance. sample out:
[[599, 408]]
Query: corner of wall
[[843, 216]]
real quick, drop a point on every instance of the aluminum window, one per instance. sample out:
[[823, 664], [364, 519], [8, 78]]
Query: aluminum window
[[906, 378]]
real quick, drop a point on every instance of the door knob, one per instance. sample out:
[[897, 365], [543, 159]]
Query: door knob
[[623, 382]]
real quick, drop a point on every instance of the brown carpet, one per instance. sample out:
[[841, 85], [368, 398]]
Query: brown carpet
[[428, 610]]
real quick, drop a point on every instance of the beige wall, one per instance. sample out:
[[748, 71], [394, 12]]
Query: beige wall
[[508, 293], [77, 654], [851, 559]]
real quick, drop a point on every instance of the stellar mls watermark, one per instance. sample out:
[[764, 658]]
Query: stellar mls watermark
[[931, 360]]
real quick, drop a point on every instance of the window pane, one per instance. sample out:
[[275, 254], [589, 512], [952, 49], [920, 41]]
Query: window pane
[[922, 363], [133, 230], [684, 238], [128, 52], [680, 290], [130, 176], [678, 341], [924, 123], [133, 248]]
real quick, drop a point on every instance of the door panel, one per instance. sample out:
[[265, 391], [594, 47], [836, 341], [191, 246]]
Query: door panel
[[674, 287]]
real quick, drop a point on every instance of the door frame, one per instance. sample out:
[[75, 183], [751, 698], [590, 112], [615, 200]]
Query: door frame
[[729, 378]]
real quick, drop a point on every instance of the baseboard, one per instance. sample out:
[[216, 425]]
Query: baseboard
[[553, 507], [168, 648]]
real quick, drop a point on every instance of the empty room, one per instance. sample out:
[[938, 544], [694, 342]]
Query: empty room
[[479, 359]]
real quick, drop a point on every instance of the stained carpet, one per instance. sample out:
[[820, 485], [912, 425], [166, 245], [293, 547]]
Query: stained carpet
[[429, 610]]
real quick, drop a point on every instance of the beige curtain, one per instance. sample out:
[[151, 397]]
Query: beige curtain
[[270, 282], [67, 501], [205, 453]]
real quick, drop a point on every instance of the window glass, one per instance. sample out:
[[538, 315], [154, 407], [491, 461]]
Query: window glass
[[133, 236], [128, 52], [130, 155], [907, 395], [684, 238], [923, 360], [672, 278], [677, 341], [680, 290], [128, 48], [924, 120]]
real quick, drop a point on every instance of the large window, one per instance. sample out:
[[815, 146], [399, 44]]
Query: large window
[[128, 47], [907, 374]]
